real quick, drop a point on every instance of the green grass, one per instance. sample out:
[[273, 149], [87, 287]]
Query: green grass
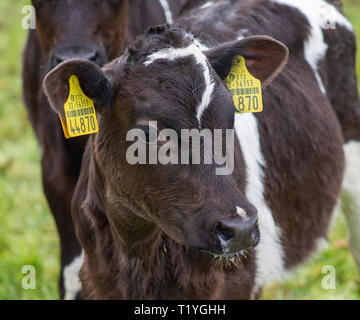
[[352, 11], [27, 232]]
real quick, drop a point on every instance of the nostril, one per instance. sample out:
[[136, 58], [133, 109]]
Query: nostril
[[93, 56], [255, 236], [223, 232], [59, 57], [57, 60]]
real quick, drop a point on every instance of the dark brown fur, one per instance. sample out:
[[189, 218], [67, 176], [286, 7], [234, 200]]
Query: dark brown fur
[[104, 23], [132, 220]]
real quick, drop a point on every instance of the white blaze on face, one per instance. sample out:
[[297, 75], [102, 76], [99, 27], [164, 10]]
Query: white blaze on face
[[319, 14], [269, 252], [194, 51], [167, 12], [72, 284]]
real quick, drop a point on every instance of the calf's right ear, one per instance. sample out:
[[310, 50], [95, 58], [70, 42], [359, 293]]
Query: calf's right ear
[[93, 81]]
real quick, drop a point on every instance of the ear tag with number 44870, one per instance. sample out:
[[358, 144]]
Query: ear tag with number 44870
[[245, 89], [80, 115]]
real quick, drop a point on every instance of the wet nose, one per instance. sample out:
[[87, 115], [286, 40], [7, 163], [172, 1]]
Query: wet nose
[[238, 234], [60, 55]]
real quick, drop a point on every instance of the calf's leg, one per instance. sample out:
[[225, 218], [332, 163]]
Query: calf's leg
[[59, 187]]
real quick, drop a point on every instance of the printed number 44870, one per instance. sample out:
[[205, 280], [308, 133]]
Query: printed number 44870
[[82, 125]]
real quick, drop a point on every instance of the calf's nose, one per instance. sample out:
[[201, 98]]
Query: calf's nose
[[238, 234], [59, 57], [93, 53]]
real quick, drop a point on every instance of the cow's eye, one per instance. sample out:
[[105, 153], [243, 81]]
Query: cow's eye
[[150, 132]]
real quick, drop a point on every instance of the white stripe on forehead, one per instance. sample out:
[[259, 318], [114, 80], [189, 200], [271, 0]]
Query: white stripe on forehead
[[167, 11], [194, 51]]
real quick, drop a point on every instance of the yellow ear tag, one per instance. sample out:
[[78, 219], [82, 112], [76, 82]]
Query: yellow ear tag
[[245, 89], [80, 115]]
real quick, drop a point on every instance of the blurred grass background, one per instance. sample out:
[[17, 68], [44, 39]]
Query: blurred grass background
[[27, 231]]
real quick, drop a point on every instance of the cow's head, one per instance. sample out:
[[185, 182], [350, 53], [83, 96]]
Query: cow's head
[[165, 77], [86, 29]]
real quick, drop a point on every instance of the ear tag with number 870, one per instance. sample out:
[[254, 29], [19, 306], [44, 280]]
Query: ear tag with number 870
[[80, 115], [245, 89]]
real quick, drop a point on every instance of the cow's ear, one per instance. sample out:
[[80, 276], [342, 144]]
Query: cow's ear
[[265, 57], [93, 82]]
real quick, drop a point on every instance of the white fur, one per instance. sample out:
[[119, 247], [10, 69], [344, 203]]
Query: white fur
[[318, 12], [202, 46], [167, 12], [321, 244], [241, 34], [242, 213], [72, 284], [192, 50], [269, 252], [207, 5], [352, 189]]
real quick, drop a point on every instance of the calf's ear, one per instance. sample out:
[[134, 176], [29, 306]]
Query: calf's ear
[[264, 56], [93, 82]]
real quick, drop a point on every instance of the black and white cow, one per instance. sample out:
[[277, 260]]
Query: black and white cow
[[317, 30]]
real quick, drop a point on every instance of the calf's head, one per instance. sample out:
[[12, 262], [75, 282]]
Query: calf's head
[[166, 78], [86, 29]]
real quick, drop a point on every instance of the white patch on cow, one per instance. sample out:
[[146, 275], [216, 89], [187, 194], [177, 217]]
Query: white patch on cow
[[194, 51], [241, 34], [167, 12], [207, 5], [242, 213], [351, 188], [72, 284], [321, 244], [203, 47], [318, 13], [269, 252]]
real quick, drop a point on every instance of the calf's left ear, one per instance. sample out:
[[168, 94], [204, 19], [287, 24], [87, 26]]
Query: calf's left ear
[[264, 56], [93, 82]]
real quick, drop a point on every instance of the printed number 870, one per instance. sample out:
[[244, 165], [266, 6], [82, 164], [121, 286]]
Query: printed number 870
[[246, 103]]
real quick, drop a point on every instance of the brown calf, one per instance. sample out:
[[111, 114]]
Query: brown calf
[[181, 231], [87, 29]]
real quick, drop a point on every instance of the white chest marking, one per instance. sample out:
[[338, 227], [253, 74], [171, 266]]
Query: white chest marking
[[72, 284], [269, 252]]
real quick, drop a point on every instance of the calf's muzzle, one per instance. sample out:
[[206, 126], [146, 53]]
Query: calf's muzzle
[[78, 50], [221, 232], [237, 234]]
